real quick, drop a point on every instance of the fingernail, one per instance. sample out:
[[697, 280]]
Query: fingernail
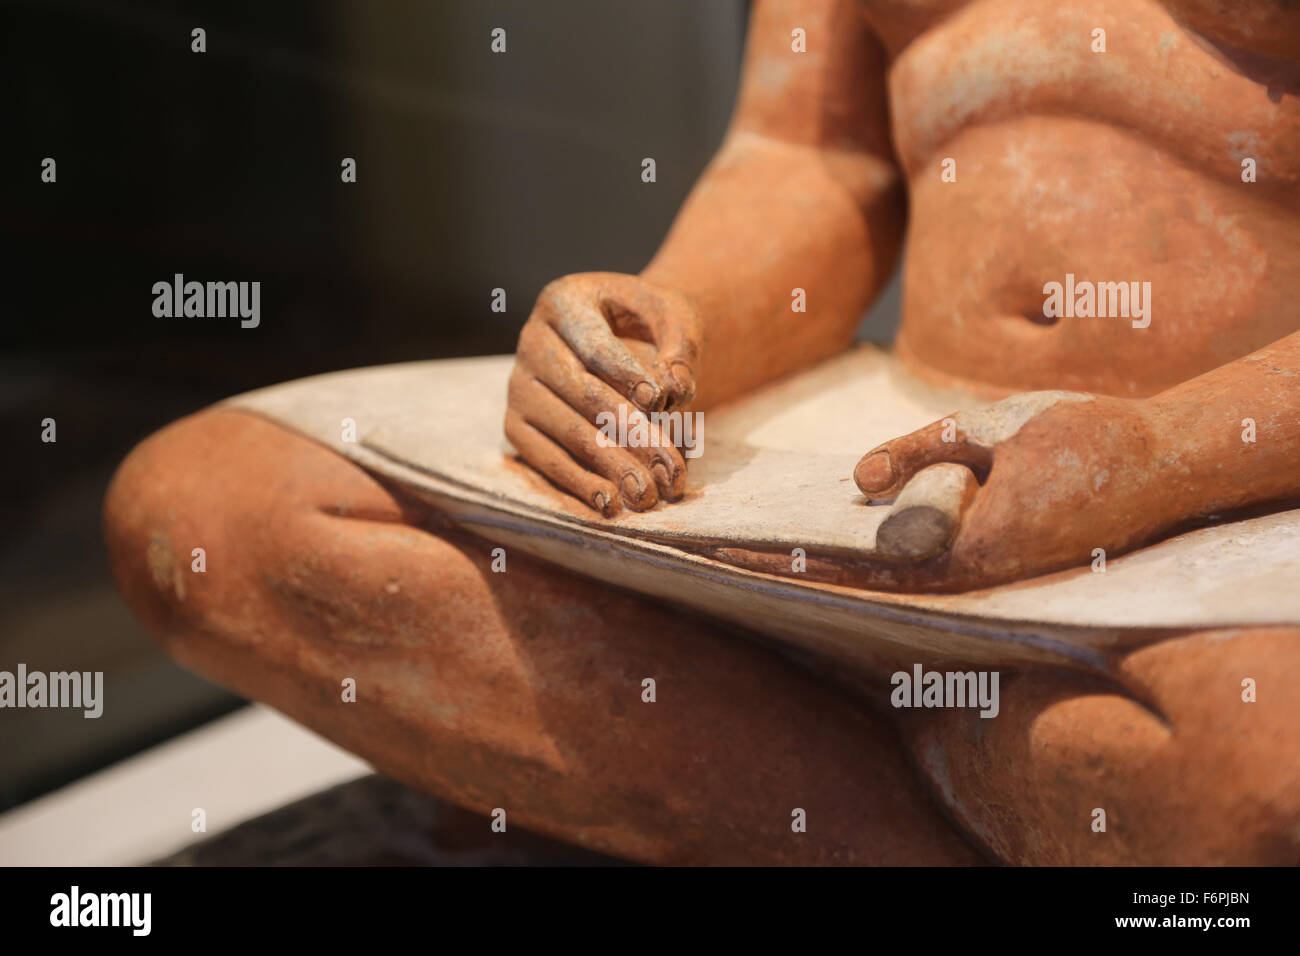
[[874, 473], [632, 486], [601, 502], [683, 381], [662, 475], [645, 395]]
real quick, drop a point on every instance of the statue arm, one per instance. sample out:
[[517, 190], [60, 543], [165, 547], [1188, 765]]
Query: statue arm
[[804, 194], [1235, 431], [771, 261]]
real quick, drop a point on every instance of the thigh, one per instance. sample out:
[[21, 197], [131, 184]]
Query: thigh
[[524, 689]]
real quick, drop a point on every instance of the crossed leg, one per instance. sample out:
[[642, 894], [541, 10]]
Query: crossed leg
[[519, 690], [523, 690]]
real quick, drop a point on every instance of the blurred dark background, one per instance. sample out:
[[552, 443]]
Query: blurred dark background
[[475, 171]]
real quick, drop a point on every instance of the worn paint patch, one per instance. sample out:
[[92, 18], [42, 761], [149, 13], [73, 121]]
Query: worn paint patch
[[989, 426]]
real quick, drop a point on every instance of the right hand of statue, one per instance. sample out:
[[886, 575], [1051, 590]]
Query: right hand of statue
[[595, 341]]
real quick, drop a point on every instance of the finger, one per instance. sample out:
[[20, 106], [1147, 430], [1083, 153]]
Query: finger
[[546, 412], [676, 372], [885, 470], [659, 454], [588, 333], [668, 320], [928, 512], [546, 356], [553, 462]]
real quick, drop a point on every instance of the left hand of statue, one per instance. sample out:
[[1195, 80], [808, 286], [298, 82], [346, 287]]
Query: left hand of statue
[[1062, 474]]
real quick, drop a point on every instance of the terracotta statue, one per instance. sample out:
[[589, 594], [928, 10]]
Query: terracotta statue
[[1102, 205]]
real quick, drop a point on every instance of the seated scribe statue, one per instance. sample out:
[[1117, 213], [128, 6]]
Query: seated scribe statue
[[1100, 205]]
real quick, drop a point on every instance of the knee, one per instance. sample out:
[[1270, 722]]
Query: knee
[[192, 511], [1232, 758], [160, 520], [222, 521], [1185, 771]]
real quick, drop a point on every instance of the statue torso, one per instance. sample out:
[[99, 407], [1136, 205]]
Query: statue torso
[[1123, 166]]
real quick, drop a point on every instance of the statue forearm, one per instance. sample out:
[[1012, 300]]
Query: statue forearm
[[780, 248], [805, 194], [1234, 432]]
